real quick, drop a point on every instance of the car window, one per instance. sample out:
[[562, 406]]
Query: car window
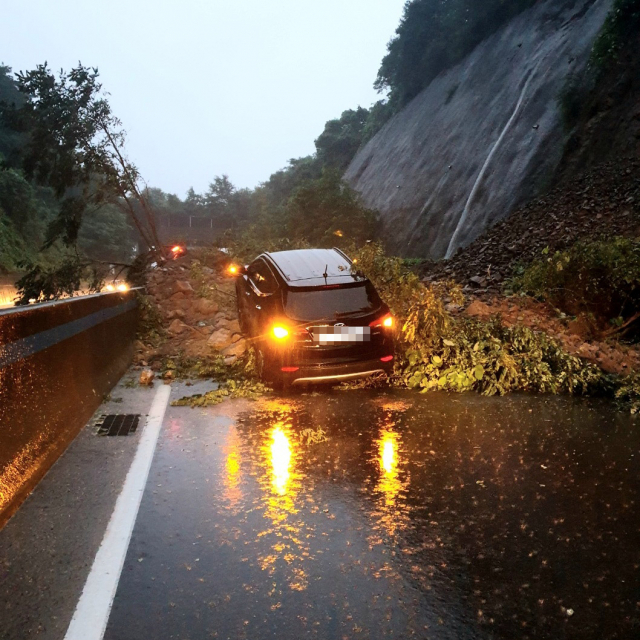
[[262, 278], [329, 304]]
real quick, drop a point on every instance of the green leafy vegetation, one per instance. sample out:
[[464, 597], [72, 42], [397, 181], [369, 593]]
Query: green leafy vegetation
[[622, 23], [629, 392], [433, 36], [150, 326], [438, 351], [600, 278], [58, 195], [66, 278], [237, 381], [320, 212], [230, 389]]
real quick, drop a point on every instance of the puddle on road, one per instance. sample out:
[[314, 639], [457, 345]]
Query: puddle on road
[[390, 515]]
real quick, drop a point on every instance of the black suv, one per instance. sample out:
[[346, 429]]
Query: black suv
[[312, 318]]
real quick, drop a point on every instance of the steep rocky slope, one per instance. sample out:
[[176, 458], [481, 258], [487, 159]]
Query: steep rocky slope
[[603, 202], [482, 138]]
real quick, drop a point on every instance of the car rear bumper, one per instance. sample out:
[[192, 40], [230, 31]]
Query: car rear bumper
[[336, 373]]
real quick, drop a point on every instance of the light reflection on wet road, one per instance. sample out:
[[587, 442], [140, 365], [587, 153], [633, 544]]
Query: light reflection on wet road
[[387, 515]]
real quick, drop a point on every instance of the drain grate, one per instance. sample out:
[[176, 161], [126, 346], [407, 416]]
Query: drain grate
[[119, 424]]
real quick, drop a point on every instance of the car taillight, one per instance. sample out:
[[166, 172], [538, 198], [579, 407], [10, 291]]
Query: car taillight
[[280, 332], [387, 322]]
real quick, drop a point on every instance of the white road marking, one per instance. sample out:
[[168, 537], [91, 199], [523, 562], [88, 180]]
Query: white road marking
[[92, 612]]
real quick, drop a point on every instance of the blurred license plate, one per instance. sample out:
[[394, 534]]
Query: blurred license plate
[[335, 335]]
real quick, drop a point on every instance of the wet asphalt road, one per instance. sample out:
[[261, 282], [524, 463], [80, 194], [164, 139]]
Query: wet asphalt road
[[387, 515]]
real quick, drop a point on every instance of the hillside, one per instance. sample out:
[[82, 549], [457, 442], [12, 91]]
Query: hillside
[[483, 138]]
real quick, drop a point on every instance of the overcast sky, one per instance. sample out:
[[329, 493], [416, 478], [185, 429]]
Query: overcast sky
[[206, 87]]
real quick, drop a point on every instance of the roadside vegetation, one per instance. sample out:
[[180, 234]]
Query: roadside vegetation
[[440, 351], [599, 280]]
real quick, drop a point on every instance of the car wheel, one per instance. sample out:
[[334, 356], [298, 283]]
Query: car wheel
[[260, 363], [262, 369], [242, 320]]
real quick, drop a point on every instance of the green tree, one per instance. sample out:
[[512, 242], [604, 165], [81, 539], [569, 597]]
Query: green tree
[[339, 142], [107, 236], [10, 140], [75, 145], [326, 212], [433, 35]]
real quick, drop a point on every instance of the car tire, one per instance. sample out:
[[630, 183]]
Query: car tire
[[242, 321], [260, 364], [276, 383]]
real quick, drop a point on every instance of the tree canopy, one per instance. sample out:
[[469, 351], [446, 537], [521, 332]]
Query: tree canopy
[[432, 36]]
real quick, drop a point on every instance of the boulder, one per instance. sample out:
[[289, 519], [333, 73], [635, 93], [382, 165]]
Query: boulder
[[206, 307], [182, 286], [175, 313], [478, 281], [224, 322], [237, 349], [220, 339], [185, 304], [177, 327], [234, 326], [196, 349]]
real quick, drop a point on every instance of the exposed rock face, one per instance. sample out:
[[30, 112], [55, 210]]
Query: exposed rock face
[[483, 137]]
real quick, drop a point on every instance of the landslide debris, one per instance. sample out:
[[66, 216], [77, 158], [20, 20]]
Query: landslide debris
[[602, 203], [599, 205], [189, 323]]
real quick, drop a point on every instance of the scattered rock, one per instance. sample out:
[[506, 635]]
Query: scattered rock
[[175, 313], [146, 377], [177, 327], [220, 339], [181, 286], [206, 307], [237, 349]]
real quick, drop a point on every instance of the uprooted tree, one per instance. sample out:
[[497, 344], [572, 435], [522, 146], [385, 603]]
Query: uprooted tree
[[76, 147]]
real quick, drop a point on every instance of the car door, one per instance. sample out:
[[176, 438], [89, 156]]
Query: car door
[[261, 285]]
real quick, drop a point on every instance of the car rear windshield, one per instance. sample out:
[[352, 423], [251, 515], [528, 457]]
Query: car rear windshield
[[329, 304]]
